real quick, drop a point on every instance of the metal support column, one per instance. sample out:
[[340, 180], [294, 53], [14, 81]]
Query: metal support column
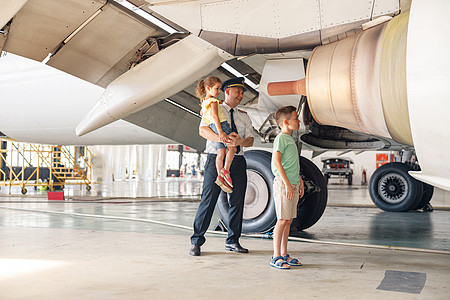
[[3, 153]]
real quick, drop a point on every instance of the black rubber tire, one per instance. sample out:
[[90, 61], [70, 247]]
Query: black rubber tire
[[427, 194], [258, 162], [310, 209], [399, 191], [350, 179]]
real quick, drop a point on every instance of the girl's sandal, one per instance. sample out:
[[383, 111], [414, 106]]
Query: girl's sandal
[[226, 175], [220, 181]]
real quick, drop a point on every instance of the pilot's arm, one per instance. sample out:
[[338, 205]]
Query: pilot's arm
[[235, 139], [207, 133]]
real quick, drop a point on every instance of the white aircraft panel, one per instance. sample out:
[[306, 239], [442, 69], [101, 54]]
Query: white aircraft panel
[[335, 13], [178, 13], [279, 70], [299, 17], [384, 7], [8, 9], [43, 105], [428, 87], [228, 17], [265, 18]]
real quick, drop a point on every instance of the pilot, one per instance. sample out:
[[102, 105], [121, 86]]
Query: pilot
[[241, 124]]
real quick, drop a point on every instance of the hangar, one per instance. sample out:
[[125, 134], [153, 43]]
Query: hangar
[[124, 73]]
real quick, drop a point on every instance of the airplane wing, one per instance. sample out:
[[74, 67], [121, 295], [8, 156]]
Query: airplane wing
[[141, 63]]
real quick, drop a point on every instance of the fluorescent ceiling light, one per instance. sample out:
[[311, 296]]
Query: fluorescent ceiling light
[[238, 74], [147, 16]]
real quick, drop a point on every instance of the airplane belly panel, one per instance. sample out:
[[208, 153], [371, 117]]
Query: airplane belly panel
[[40, 104]]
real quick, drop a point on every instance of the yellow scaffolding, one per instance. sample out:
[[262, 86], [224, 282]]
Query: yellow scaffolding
[[44, 166]]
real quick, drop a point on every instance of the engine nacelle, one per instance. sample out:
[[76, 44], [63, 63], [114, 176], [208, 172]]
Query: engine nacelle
[[360, 82]]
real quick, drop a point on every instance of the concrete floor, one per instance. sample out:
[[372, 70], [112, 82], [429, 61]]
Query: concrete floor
[[115, 249]]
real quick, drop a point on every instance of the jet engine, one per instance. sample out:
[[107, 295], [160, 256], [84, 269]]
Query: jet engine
[[359, 82]]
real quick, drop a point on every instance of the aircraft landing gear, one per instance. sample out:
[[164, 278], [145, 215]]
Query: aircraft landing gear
[[259, 208], [424, 203], [393, 189], [311, 207]]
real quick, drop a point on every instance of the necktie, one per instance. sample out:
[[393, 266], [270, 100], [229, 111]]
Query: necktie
[[233, 128]]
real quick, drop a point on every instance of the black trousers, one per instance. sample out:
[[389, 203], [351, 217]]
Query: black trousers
[[210, 194]]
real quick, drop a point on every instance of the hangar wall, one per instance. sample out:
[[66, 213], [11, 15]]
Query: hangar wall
[[117, 162]]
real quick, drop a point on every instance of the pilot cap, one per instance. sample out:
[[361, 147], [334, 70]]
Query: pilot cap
[[239, 82]]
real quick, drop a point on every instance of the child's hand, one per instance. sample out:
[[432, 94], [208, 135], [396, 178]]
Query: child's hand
[[233, 139], [289, 191], [301, 190], [223, 137]]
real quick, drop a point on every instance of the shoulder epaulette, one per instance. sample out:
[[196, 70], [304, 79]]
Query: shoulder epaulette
[[242, 111]]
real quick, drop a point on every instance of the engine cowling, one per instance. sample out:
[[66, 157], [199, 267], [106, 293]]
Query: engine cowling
[[349, 82], [359, 82]]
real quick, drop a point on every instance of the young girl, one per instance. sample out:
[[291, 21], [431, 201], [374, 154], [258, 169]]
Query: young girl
[[213, 114]]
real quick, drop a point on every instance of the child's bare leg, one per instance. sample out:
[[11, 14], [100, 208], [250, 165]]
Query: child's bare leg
[[278, 238], [229, 157], [228, 160], [219, 159], [284, 238], [284, 242], [277, 235]]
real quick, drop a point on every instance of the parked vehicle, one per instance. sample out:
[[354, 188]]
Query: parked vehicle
[[333, 166]]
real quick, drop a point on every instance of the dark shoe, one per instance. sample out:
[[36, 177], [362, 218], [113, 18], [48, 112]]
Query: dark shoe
[[236, 248], [195, 250]]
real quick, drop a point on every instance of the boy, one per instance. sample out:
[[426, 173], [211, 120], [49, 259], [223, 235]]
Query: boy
[[287, 185]]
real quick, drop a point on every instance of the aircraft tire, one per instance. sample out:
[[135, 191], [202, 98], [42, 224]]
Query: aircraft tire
[[259, 208], [311, 207], [427, 194], [393, 189]]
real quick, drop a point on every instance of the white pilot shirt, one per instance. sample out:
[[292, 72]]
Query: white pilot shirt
[[243, 125]]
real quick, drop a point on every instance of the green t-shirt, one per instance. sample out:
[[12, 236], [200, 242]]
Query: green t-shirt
[[290, 160]]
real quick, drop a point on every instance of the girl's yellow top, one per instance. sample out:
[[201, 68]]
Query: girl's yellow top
[[207, 111]]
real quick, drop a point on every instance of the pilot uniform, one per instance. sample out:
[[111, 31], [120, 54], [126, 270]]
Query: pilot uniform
[[211, 191]]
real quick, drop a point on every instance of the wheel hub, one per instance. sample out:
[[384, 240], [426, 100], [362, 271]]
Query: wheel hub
[[256, 195], [393, 188]]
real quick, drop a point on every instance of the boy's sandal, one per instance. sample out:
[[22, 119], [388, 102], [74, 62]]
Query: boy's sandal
[[220, 181], [224, 172], [293, 262], [279, 265]]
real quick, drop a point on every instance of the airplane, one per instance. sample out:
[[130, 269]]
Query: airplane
[[365, 75]]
